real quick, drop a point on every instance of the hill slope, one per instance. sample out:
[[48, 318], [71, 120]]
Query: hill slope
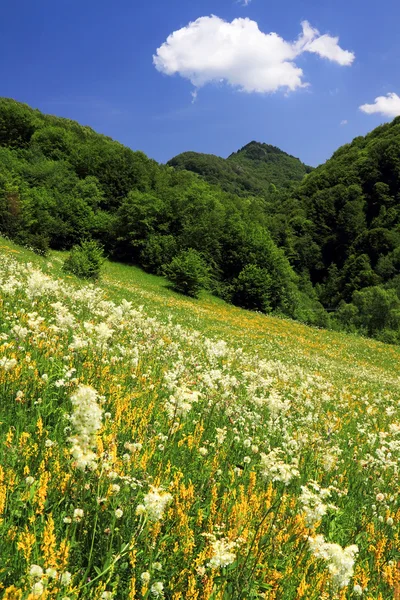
[[350, 235], [248, 172], [61, 182], [158, 443]]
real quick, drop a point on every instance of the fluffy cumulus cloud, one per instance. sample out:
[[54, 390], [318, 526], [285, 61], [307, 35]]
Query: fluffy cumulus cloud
[[388, 106], [238, 53]]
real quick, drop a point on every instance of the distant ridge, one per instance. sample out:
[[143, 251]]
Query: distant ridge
[[248, 172]]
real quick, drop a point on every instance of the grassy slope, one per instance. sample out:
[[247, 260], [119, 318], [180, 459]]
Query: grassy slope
[[291, 342], [333, 383]]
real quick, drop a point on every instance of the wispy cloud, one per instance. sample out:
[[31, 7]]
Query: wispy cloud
[[238, 53], [388, 106], [344, 122]]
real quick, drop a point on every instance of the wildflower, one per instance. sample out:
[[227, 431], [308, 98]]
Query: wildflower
[[51, 573], [358, 590], [20, 332], [312, 503], [106, 596], [203, 451], [340, 560], [65, 578], [36, 571], [380, 497], [67, 520], [222, 554], [389, 521], [157, 589], [154, 505], [220, 435], [275, 469], [86, 421], [38, 588], [78, 515], [29, 480], [145, 577], [118, 513], [115, 488], [157, 566], [7, 363]]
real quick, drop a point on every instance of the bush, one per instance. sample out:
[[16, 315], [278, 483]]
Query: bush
[[85, 260], [252, 289], [188, 273], [158, 251]]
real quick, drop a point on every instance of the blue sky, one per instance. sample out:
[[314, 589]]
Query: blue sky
[[93, 62]]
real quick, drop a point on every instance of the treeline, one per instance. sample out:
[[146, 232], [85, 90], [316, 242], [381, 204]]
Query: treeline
[[61, 183]]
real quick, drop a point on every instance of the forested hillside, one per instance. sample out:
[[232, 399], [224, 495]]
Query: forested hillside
[[325, 250], [61, 182], [257, 169], [351, 208]]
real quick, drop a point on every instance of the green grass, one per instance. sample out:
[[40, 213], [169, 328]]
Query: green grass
[[224, 412]]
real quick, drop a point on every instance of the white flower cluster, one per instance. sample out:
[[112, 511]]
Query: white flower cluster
[[40, 579], [7, 363], [312, 503], [340, 560], [180, 403], [222, 553], [154, 504], [86, 421], [275, 469]]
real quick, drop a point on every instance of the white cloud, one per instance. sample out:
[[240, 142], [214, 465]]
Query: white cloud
[[344, 122], [212, 50], [388, 106]]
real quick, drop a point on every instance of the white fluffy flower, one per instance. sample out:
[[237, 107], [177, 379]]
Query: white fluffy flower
[[7, 363], [340, 561], [275, 469], [157, 589], [86, 421], [36, 571], [37, 588], [154, 504], [222, 554]]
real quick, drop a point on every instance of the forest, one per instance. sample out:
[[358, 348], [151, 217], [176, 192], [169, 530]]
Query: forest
[[260, 229]]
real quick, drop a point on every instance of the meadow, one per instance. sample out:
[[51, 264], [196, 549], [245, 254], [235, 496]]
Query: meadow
[[155, 446]]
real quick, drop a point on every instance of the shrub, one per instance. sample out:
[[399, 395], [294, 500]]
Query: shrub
[[252, 289], [85, 260], [158, 251], [188, 273]]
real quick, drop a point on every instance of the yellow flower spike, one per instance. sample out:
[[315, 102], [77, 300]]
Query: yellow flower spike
[[23, 439], [12, 593], [302, 589], [48, 546], [208, 584], [39, 427], [252, 482], [9, 438], [3, 491], [63, 555], [132, 589], [26, 541], [41, 493]]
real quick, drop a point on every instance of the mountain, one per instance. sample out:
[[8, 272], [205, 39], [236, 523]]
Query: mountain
[[248, 172]]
